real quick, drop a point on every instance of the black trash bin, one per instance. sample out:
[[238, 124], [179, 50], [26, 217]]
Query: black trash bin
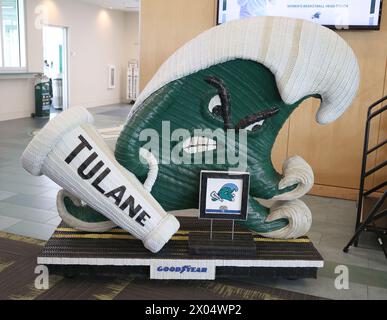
[[43, 97]]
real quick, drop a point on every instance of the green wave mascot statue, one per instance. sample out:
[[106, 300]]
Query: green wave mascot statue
[[245, 76]]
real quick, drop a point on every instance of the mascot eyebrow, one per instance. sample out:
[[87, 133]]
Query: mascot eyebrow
[[224, 99], [224, 110]]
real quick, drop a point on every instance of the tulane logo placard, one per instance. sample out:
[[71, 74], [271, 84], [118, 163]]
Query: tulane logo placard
[[224, 195]]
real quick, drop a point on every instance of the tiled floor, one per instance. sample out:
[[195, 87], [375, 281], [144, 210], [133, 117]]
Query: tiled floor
[[27, 207]]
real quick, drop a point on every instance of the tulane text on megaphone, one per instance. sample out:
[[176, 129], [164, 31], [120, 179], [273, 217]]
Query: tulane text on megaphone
[[72, 153]]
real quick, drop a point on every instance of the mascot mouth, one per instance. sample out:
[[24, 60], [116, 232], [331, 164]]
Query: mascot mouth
[[199, 144]]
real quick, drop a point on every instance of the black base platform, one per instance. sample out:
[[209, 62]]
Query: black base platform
[[221, 244], [117, 252]]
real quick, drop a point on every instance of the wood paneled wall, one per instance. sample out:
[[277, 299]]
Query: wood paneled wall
[[334, 151], [168, 24], [382, 154]]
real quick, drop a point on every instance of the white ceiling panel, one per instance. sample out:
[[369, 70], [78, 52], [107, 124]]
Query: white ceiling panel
[[126, 5]]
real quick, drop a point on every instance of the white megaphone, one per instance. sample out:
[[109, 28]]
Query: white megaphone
[[71, 152]]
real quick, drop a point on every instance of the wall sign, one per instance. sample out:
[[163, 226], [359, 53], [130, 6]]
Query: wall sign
[[224, 195], [112, 77]]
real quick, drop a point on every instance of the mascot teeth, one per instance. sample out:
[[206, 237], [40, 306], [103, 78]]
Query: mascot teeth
[[199, 145]]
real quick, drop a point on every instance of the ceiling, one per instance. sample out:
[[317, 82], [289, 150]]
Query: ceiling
[[126, 5]]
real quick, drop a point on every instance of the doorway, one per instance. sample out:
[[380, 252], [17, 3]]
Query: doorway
[[55, 59]]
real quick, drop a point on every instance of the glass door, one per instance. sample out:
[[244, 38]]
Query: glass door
[[55, 53]]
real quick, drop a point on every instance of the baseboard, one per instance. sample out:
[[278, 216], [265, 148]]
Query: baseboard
[[337, 192], [334, 192], [15, 115], [27, 113]]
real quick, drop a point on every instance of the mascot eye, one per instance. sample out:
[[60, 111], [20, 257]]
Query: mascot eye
[[255, 126], [215, 106]]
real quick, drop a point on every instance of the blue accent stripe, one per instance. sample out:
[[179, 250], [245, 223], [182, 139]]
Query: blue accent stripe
[[224, 211]]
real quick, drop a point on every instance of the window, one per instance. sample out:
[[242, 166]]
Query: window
[[12, 35]]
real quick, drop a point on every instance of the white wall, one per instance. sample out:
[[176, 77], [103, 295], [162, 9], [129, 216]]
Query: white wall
[[132, 38], [97, 38], [131, 44], [16, 98]]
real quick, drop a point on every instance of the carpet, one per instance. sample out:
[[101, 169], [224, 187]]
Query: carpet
[[17, 278]]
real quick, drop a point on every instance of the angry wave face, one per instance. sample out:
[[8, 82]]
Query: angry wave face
[[211, 99]]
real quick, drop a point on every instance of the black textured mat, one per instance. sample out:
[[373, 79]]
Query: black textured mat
[[68, 247]]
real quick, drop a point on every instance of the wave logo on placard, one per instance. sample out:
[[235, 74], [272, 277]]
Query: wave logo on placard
[[317, 15], [226, 193]]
